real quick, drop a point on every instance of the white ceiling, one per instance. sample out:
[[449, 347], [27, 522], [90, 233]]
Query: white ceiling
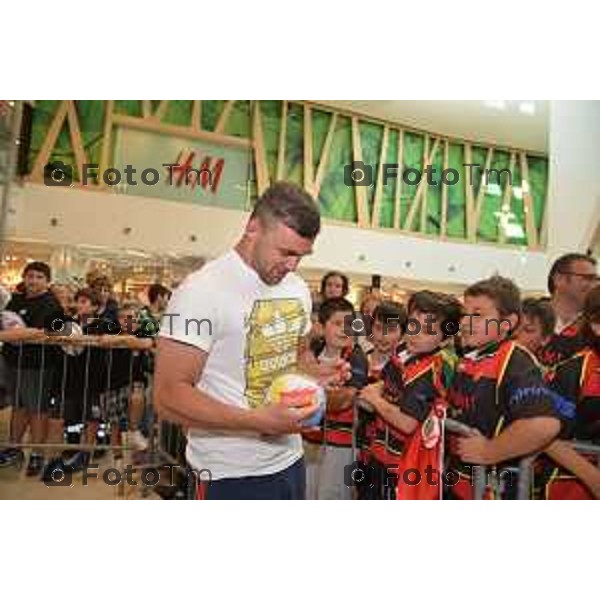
[[498, 122]]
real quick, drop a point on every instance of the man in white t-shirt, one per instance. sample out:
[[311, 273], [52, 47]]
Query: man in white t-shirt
[[230, 328]]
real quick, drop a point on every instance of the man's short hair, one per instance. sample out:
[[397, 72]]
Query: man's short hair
[[563, 265], [503, 292], [291, 205], [540, 309], [40, 267]]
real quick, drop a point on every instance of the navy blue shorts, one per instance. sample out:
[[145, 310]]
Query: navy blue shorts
[[289, 484]]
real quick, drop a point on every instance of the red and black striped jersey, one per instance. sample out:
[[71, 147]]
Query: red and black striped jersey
[[412, 383], [563, 345]]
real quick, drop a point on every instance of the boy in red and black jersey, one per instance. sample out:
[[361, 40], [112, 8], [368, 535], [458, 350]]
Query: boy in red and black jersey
[[386, 330], [570, 279], [418, 376], [577, 379], [328, 448], [498, 390]]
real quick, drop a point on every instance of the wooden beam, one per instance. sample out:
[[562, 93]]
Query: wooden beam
[[425, 190], [106, 140], [308, 151], [161, 110], [398, 191], [375, 217], [507, 197], [196, 115], [280, 175], [482, 188], [178, 131], [420, 188], [224, 116], [75, 134], [43, 156], [469, 200], [360, 192], [325, 155], [444, 219], [260, 159], [532, 234]]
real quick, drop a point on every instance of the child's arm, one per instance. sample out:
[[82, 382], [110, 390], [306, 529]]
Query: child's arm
[[521, 438], [566, 456], [387, 411]]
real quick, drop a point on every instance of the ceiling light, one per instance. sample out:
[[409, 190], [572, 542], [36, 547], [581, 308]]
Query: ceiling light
[[527, 107]]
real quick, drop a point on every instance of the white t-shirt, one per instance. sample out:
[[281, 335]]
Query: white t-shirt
[[250, 331]]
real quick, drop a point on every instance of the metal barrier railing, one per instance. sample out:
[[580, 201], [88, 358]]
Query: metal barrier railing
[[62, 389], [524, 471]]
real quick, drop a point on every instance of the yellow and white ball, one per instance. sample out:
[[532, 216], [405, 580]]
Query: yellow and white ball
[[293, 385]]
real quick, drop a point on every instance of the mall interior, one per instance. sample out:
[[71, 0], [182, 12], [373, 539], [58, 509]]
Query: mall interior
[[69, 201]]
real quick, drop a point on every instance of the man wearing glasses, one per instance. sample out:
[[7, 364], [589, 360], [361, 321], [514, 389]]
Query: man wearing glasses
[[570, 279]]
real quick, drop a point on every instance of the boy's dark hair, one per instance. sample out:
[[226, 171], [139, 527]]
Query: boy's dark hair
[[540, 309], [563, 265], [502, 291], [156, 290], [445, 308], [389, 311], [329, 307], [40, 267], [344, 278], [290, 204], [88, 293]]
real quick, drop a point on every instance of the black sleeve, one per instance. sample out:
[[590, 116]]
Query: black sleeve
[[359, 368], [418, 397], [524, 394]]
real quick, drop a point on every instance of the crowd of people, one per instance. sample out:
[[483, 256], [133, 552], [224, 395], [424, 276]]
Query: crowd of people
[[76, 367], [520, 376]]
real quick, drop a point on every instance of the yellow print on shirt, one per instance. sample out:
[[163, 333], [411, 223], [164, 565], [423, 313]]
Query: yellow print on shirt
[[274, 329]]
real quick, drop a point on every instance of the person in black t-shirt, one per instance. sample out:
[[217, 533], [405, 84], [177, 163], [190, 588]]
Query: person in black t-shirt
[[30, 367]]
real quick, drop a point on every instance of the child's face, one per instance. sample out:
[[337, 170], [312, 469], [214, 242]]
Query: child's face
[[386, 336], [480, 323], [84, 307], [334, 287], [530, 334], [35, 282], [424, 333], [333, 330]]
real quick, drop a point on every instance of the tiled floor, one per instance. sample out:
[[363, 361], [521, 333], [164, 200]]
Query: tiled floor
[[15, 485]]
